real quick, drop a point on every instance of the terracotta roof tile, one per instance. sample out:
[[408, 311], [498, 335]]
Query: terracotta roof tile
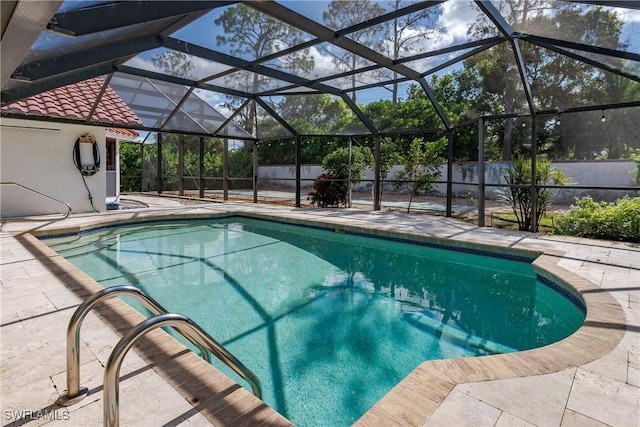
[[75, 102], [124, 132]]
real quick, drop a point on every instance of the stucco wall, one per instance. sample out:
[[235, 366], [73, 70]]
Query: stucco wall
[[596, 173], [39, 155]]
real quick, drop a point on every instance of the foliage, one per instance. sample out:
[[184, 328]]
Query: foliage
[[490, 79], [345, 13], [138, 164], [407, 34], [337, 163], [328, 191], [519, 194], [421, 166], [331, 189], [635, 156], [252, 34], [174, 63], [241, 166], [388, 158], [130, 167], [614, 221]]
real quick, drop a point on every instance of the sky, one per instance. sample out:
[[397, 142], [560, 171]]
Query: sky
[[452, 22]]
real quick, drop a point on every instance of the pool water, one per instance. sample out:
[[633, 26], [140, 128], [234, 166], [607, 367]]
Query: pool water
[[329, 322]]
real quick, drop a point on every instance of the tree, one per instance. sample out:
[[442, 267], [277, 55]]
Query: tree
[[408, 31], [314, 114], [338, 164], [174, 63], [343, 14], [241, 166], [252, 34], [421, 166], [389, 157], [491, 78], [416, 112], [130, 167], [138, 171]]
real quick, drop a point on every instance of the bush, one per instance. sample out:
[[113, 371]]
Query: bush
[[613, 221], [331, 189], [328, 192], [518, 194]]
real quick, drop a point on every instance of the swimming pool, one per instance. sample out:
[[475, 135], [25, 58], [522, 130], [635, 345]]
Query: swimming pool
[[329, 322]]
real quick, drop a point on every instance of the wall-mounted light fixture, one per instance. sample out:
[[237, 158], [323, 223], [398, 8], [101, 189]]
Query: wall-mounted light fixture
[[603, 118]]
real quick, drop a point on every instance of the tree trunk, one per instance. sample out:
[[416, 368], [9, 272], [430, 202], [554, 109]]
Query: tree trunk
[[507, 146]]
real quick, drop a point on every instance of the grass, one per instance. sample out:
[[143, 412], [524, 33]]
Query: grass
[[508, 221]]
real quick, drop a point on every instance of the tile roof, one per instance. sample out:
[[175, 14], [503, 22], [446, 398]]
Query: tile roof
[[124, 132], [75, 102]]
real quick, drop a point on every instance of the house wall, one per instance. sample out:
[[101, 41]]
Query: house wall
[[39, 155]]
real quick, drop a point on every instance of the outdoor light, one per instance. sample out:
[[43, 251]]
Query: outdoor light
[[558, 121], [603, 118], [524, 124]]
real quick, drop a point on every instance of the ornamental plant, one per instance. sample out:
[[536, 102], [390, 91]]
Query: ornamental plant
[[328, 191], [619, 220], [519, 195], [635, 156], [331, 189]]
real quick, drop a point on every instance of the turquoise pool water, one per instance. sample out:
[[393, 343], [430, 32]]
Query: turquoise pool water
[[329, 322]]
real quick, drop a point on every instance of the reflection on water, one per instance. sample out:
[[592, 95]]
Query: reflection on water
[[329, 322]]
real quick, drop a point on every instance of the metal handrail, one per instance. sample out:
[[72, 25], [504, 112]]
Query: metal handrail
[[75, 393], [68, 206], [112, 369]]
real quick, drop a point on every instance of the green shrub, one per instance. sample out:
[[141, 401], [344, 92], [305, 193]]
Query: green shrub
[[635, 156], [518, 194], [613, 221], [328, 191], [331, 189]]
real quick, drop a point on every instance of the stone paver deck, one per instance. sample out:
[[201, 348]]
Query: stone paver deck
[[592, 378]]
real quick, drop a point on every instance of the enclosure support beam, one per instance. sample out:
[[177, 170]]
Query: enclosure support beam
[[376, 174], [481, 172], [298, 173], [349, 175], [255, 172], [181, 166], [159, 166], [142, 166], [201, 168], [534, 192], [225, 169], [449, 174]]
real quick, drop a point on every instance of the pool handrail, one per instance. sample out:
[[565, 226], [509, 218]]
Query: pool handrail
[[67, 205], [177, 321], [74, 392]]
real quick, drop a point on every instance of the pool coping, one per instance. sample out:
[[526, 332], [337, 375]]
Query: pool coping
[[417, 396]]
